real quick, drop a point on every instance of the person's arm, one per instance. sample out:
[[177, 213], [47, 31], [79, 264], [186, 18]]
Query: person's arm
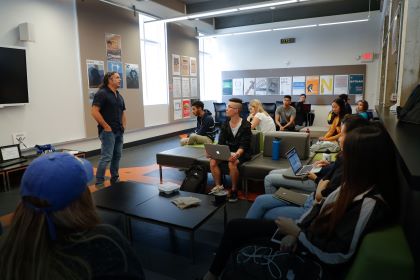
[[206, 124], [277, 117], [124, 120], [291, 121], [331, 130], [99, 119], [255, 122], [245, 141]]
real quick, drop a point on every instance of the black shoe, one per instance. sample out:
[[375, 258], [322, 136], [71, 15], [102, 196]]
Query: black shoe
[[115, 180], [233, 196]]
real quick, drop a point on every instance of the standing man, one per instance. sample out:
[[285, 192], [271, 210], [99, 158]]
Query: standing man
[[286, 114], [235, 133], [205, 131], [108, 110]]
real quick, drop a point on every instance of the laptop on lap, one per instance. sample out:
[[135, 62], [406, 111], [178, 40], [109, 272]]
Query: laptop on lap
[[216, 151], [297, 166]]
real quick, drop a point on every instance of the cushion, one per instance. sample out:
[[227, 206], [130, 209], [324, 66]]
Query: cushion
[[299, 140]]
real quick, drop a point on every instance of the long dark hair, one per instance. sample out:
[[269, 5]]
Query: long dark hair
[[369, 160], [342, 105], [107, 76]]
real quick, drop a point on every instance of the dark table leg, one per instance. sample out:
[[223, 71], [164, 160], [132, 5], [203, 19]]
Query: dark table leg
[[192, 238], [160, 173], [127, 228]]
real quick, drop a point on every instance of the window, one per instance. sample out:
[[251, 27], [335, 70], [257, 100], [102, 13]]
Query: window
[[154, 61], [210, 75]]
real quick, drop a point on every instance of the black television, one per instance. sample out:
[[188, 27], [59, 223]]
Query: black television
[[14, 88]]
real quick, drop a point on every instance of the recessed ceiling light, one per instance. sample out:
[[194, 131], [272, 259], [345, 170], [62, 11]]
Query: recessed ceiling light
[[272, 8]]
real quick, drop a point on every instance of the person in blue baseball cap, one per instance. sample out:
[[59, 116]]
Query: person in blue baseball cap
[[56, 232]]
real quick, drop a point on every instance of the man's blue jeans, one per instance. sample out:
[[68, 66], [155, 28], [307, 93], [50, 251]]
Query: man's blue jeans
[[111, 150]]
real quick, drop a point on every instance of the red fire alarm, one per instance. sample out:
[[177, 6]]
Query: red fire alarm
[[367, 57]]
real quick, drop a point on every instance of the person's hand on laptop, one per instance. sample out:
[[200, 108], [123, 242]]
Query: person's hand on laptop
[[321, 163], [233, 157]]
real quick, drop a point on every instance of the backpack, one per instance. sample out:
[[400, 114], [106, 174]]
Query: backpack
[[410, 113], [195, 179]]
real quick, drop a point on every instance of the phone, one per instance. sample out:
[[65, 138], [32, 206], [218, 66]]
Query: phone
[[277, 237]]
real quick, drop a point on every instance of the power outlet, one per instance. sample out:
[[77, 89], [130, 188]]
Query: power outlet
[[20, 138]]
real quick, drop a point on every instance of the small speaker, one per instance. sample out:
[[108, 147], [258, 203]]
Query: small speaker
[[26, 32]]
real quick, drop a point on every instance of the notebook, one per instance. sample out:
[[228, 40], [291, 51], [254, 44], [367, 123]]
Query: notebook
[[291, 196]]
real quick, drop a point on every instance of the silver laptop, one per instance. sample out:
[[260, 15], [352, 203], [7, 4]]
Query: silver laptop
[[297, 166], [220, 152]]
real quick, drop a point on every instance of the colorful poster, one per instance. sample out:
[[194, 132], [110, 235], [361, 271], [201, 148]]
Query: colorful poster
[[286, 85], [298, 85], [114, 66], [273, 86], [185, 84], [186, 108], [176, 64], [249, 86], [132, 75], [227, 87], [260, 86], [238, 86], [194, 91], [113, 47], [356, 84], [312, 85], [177, 109], [326, 84], [185, 66], [193, 66], [95, 71], [176, 87], [341, 84]]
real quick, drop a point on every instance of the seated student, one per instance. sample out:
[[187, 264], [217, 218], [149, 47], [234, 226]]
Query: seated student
[[286, 114], [348, 109], [236, 133], [205, 131], [328, 235], [338, 112], [260, 120], [301, 114], [361, 109], [268, 207], [55, 232]]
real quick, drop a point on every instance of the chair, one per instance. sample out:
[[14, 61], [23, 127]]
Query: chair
[[279, 103], [270, 108], [219, 113], [245, 110]]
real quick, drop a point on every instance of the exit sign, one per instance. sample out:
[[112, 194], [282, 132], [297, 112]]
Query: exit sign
[[287, 40]]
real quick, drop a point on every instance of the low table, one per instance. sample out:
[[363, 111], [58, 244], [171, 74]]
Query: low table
[[143, 202]]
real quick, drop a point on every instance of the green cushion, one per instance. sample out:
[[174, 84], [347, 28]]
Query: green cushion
[[318, 156], [383, 255]]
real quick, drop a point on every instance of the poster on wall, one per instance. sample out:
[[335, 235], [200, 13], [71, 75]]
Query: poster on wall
[[286, 85], [260, 86], [132, 75], [177, 109], [249, 86], [326, 84], [185, 84], [193, 66], [312, 85], [298, 85], [356, 84], [176, 64], [113, 47], [238, 86], [341, 84], [91, 95], [273, 86], [194, 91], [185, 66], [114, 66], [186, 108], [95, 71], [227, 87], [176, 87]]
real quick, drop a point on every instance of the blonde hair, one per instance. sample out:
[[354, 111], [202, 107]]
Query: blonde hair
[[258, 106], [27, 251]]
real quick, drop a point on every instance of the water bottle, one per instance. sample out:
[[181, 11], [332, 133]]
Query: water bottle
[[276, 149]]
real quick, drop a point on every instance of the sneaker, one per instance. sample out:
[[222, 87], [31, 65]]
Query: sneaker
[[233, 196], [216, 188], [115, 180], [99, 185]]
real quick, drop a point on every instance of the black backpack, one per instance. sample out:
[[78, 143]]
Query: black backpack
[[195, 179], [411, 111]]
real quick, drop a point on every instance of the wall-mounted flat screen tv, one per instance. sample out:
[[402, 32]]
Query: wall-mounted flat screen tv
[[14, 87]]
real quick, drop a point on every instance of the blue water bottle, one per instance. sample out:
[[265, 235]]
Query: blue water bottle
[[276, 149]]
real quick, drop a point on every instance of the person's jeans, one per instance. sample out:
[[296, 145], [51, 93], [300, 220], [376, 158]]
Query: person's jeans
[[111, 150], [275, 180], [267, 207]]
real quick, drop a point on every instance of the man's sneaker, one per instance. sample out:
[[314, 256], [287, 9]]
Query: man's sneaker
[[115, 180], [233, 196], [99, 185], [216, 189]]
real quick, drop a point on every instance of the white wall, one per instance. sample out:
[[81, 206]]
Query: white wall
[[318, 46]]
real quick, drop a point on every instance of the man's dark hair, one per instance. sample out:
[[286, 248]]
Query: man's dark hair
[[365, 104], [354, 121], [303, 95], [344, 96], [236, 100], [198, 104], [287, 96], [107, 76]]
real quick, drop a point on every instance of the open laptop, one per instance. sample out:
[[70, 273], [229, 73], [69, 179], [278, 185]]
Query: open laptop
[[297, 166], [220, 152], [10, 155]]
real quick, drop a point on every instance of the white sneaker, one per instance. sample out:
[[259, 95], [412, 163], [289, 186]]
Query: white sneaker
[[217, 188]]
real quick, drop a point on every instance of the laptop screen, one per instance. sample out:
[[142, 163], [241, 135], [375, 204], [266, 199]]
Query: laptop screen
[[9, 152], [294, 160]]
